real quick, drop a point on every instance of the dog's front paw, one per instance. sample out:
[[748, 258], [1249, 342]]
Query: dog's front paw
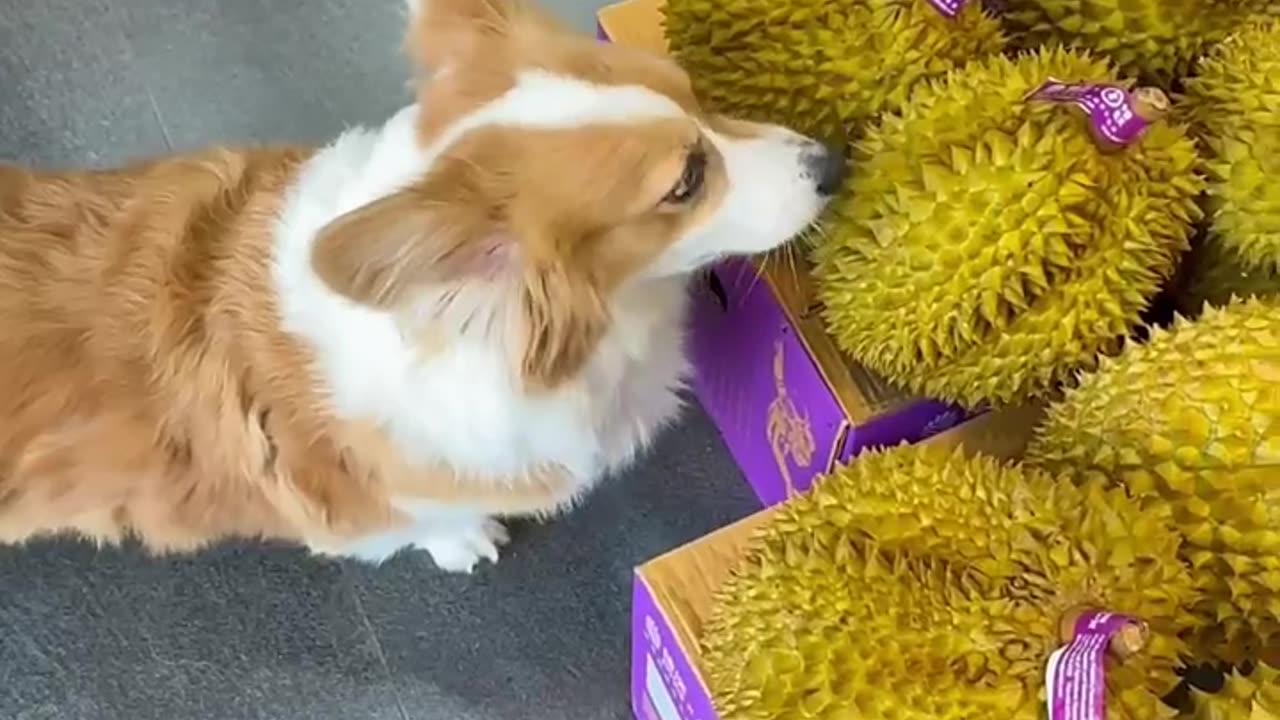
[[458, 549]]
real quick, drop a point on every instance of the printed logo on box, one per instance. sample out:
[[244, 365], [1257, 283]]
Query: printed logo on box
[[666, 688], [651, 633], [790, 431], [944, 421]]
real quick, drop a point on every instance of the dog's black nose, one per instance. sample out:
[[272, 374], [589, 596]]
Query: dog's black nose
[[829, 167]]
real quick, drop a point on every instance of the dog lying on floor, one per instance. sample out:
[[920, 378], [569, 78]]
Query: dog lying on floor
[[472, 311]]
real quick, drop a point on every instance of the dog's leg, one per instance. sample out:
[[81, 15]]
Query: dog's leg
[[456, 540], [458, 546]]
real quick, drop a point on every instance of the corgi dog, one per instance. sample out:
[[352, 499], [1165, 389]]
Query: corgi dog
[[472, 312]]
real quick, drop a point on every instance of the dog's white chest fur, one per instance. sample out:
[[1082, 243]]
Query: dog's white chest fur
[[460, 404]]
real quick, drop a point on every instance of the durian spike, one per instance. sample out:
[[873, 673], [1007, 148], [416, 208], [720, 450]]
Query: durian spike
[[1130, 640]]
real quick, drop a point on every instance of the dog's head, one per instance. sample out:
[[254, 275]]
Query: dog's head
[[564, 169]]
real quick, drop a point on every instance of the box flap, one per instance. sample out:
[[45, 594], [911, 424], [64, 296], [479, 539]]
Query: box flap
[[634, 23], [683, 580], [1002, 433]]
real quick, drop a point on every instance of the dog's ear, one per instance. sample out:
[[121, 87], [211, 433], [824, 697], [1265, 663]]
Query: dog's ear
[[379, 253], [565, 316], [445, 31]]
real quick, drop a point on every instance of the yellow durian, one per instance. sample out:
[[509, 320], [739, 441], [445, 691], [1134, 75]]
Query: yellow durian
[[988, 247], [917, 582], [1154, 40], [1190, 421], [823, 67], [1234, 100]]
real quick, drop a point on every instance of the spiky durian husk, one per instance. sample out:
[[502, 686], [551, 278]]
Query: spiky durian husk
[[1234, 100], [804, 63], [840, 630], [1215, 276], [987, 248], [920, 583], [1252, 696], [1190, 419], [1156, 41]]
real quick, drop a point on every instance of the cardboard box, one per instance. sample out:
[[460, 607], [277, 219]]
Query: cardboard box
[[672, 594], [788, 404]]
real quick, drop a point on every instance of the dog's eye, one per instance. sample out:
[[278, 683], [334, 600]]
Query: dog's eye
[[690, 183]]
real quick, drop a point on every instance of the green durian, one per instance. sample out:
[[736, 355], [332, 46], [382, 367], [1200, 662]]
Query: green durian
[[1156, 41], [1190, 420], [987, 247], [1214, 276], [1234, 100], [918, 582], [1244, 696], [822, 67]]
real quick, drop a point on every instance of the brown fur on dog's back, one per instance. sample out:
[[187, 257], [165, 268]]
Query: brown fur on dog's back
[[146, 385]]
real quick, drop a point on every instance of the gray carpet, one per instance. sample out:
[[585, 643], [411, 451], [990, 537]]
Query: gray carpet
[[247, 633]]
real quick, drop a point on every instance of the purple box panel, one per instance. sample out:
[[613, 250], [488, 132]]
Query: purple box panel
[[664, 685], [913, 423], [756, 380], [601, 34]]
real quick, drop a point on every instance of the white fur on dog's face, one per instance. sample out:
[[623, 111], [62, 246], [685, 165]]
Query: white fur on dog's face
[[773, 194]]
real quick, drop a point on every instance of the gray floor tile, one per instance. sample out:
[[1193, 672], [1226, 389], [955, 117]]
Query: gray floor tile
[[233, 634], [69, 94], [259, 70], [578, 13]]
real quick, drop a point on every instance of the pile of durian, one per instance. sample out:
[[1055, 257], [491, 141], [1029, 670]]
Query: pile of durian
[[918, 582], [991, 248]]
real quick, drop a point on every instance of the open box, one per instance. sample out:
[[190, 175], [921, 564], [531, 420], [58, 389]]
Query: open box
[[788, 404], [672, 593]]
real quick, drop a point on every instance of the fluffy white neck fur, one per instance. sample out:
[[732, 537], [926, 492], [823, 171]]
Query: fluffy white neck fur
[[463, 405]]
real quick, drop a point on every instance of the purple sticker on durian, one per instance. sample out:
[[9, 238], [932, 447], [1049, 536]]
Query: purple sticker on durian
[[950, 8], [1110, 108], [1075, 673]]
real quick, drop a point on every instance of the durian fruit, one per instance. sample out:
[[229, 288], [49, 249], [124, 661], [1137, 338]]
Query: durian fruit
[[1214, 276], [1234, 100], [1190, 420], [988, 247], [822, 67], [1244, 696], [1154, 40], [918, 582]]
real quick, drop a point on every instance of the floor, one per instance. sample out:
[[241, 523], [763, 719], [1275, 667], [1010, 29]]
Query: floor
[[253, 633]]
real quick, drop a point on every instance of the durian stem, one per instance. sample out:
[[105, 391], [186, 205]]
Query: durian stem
[[1150, 103], [1130, 640]]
